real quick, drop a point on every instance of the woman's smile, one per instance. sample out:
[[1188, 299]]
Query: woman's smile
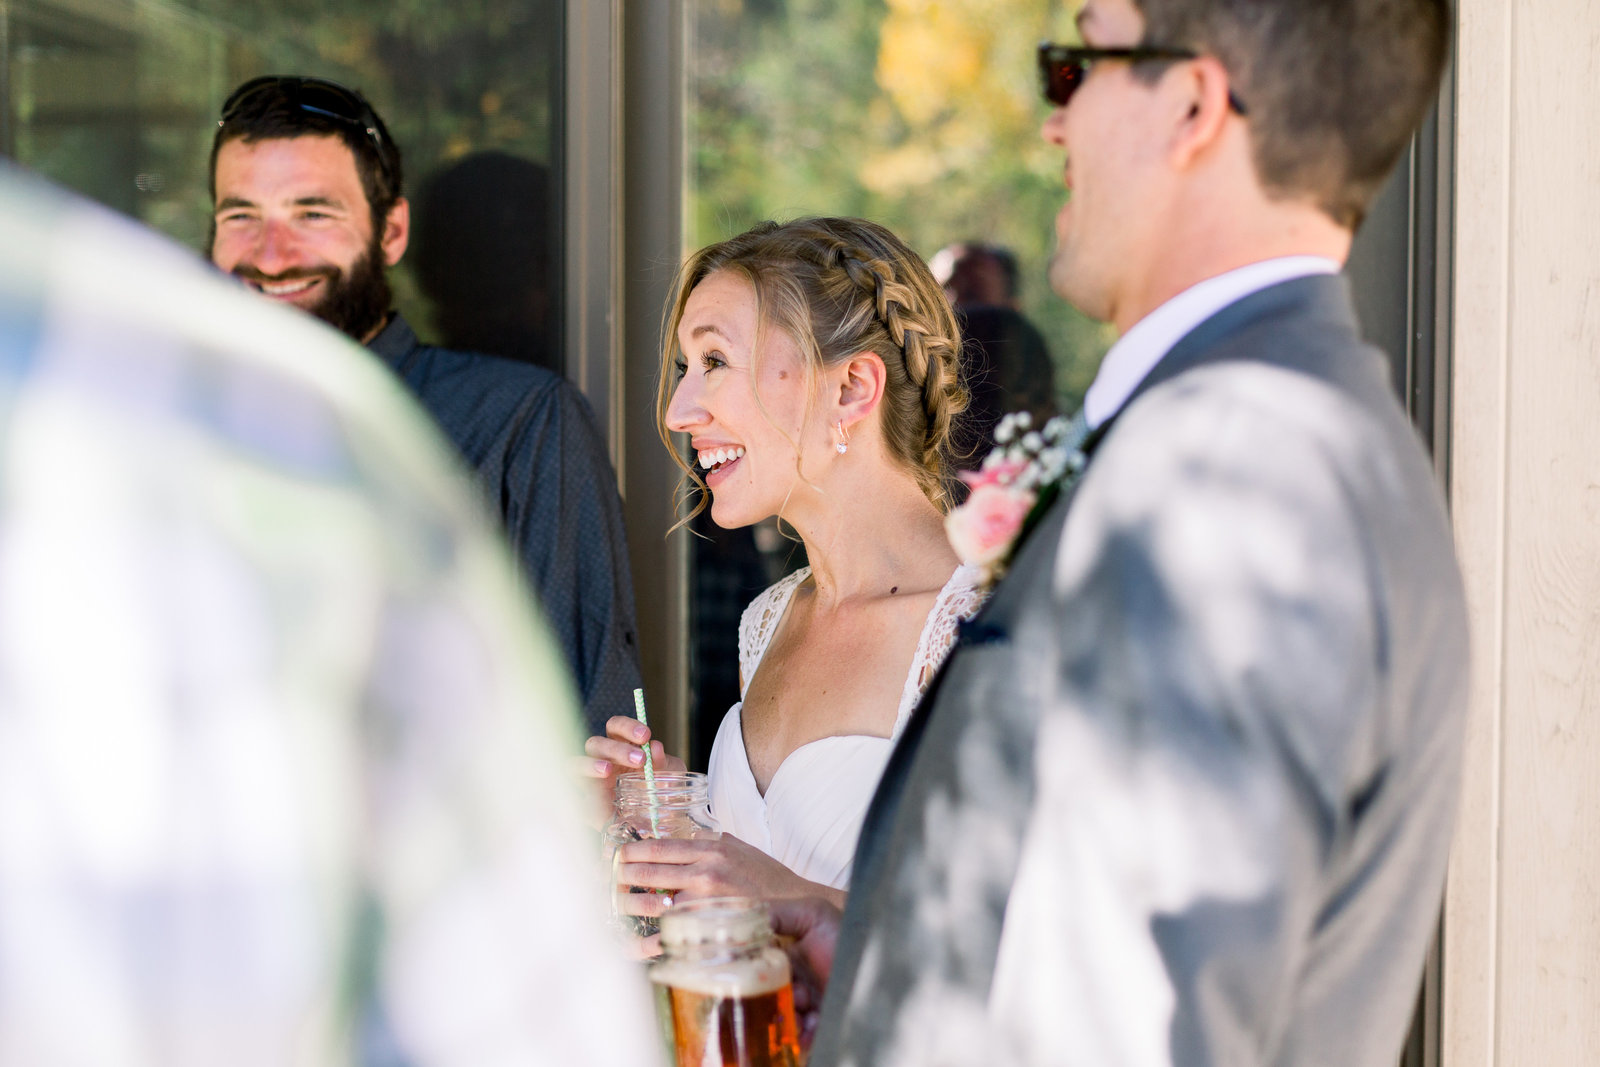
[[718, 462]]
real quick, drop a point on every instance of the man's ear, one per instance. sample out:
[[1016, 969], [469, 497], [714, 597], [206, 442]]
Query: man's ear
[[396, 232], [860, 382], [1202, 94]]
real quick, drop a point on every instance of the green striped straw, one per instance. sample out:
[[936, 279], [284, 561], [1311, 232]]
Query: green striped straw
[[649, 764]]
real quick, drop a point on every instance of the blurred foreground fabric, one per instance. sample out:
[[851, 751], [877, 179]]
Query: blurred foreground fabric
[[282, 750]]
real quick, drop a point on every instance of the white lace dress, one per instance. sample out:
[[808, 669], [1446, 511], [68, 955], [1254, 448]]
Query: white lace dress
[[814, 806]]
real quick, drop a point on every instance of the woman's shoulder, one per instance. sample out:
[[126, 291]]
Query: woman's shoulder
[[761, 617], [958, 601], [768, 604], [960, 598]]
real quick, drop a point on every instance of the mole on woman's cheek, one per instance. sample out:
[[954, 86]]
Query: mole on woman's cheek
[[783, 376]]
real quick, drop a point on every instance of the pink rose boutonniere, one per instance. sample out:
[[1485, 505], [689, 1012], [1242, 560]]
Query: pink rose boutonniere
[[1017, 483], [982, 529]]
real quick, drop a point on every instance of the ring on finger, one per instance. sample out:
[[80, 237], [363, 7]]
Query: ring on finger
[[666, 900]]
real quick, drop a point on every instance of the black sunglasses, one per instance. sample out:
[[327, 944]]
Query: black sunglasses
[[315, 96], [1063, 67]]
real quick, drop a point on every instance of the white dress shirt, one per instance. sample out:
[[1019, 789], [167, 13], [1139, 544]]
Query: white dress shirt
[[1138, 351]]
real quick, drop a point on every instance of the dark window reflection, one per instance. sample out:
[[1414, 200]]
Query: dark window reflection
[[481, 252]]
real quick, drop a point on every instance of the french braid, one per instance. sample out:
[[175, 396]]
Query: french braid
[[928, 339]]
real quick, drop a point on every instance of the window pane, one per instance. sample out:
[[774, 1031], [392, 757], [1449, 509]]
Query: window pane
[[924, 117], [119, 101]]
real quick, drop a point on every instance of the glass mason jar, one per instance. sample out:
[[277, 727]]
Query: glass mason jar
[[677, 806], [723, 986]]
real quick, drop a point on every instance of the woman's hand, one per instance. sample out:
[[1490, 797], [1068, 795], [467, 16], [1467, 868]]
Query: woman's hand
[[711, 867], [618, 752]]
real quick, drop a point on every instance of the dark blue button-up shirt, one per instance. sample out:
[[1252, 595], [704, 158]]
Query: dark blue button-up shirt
[[531, 438]]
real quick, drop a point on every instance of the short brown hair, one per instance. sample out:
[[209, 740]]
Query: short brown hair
[[1334, 88], [839, 287], [272, 113]]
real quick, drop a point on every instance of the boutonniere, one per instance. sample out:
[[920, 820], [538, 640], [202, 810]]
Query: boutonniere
[[1019, 480]]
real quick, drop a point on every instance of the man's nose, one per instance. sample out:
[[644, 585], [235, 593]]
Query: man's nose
[[276, 248]]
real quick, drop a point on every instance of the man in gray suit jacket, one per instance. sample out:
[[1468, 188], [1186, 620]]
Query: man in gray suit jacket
[[1183, 793]]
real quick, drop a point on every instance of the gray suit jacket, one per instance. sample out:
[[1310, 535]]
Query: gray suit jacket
[[1183, 793]]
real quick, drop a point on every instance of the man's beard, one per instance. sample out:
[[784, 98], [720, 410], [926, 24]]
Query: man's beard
[[353, 303]]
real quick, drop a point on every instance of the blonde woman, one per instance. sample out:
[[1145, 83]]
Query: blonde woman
[[814, 367]]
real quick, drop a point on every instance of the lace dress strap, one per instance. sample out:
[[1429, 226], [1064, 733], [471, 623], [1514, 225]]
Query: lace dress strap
[[959, 600], [760, 621]]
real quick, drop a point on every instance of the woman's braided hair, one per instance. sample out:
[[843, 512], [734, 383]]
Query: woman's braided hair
[[839, 287]]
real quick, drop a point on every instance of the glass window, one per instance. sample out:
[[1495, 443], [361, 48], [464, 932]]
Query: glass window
[[924, 117], [119, 100]]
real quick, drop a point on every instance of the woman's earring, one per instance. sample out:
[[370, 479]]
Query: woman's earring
[[843, 444]]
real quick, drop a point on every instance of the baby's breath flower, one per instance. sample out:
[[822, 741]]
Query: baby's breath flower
[[1025, 463]]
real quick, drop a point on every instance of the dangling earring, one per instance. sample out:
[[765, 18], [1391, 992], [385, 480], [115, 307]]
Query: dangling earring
[[843, 444]]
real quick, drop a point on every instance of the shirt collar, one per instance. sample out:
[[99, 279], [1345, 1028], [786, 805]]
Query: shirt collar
[[395, 341], [1138, 351]]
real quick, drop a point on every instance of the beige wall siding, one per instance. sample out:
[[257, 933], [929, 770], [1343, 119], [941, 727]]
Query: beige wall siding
[[1522, 920]]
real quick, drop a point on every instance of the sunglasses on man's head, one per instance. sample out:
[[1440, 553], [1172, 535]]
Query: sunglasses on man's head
[[315, 96], [1064, 67]]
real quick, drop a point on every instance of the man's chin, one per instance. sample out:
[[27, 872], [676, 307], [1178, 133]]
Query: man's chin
[[324, 309], [355, 305], [359, 327], [1063, 273], [1075, 282]]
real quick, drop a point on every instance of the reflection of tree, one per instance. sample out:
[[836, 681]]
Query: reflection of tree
[[118, 99], [448, 76], [924, 116]]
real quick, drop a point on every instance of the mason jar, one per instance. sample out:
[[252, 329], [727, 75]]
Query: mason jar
[[723, 986], [674, 806]]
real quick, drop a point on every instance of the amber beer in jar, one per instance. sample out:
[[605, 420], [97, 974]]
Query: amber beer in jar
[[723, 986]]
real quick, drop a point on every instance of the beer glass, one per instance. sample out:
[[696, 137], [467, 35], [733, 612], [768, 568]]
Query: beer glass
[[724, 986]]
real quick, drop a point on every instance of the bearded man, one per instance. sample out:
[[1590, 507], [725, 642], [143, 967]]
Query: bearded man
[[308, 210]]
